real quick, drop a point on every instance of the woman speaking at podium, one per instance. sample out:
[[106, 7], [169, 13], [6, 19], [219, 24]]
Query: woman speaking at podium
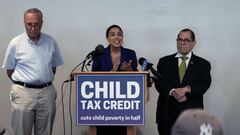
[[114, 58]]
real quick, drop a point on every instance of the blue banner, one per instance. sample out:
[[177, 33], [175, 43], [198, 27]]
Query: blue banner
[[110, 99]]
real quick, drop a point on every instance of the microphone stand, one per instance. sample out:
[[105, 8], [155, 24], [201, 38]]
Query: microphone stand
[[70, 80], [157, 77], [71, 74], [84, 62]]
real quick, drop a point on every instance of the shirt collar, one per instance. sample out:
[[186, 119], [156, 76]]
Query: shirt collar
[[179, 55], [31, 42]]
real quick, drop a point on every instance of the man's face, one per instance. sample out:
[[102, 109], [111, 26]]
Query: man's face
[[185, 43], [33, 23]]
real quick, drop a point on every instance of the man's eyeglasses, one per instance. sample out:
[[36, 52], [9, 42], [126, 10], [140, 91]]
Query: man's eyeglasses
[[179, 40], [32, 25]]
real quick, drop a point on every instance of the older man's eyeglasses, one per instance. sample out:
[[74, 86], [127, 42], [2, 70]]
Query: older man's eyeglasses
[[32, 25], [179, 40]]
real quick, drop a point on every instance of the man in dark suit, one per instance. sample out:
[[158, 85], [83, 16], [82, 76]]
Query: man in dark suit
[[186, 77]]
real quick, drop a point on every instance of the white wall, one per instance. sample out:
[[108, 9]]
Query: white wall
[[150, 28]]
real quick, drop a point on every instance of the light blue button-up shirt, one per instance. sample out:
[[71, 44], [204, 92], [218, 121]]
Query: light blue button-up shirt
[[32, 63]]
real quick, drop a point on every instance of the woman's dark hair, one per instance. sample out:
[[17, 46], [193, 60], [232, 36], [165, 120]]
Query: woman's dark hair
[[112, 26]]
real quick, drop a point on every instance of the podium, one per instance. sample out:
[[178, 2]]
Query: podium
[[111, 99]]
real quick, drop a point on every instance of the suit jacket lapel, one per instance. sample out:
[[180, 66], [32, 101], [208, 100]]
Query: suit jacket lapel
[[189, 69], [175, 70], [123, 56], [108, 58]]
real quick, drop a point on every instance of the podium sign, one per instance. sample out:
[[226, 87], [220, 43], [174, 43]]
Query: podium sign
[[110, 99]]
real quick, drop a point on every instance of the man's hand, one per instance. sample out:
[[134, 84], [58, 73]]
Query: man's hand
[[182, 99], [179, 93], [9, 73]]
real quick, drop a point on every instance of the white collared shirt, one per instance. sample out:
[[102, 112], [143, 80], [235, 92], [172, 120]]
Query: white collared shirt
[[179, 56], [32, 63]]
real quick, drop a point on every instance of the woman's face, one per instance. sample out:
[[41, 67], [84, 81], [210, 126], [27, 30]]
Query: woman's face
[[115, 37]]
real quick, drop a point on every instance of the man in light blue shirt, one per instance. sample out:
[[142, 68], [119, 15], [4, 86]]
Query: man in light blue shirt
[[31, 60]]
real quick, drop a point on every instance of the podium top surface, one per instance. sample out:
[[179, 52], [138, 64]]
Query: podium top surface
[[110, 72]]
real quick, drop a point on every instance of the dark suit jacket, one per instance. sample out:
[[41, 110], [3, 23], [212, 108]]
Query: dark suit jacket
[[197, 76], [104, 62]]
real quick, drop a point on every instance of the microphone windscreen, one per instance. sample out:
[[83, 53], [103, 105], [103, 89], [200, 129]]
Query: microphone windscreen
[[99, 49], [141, 60]]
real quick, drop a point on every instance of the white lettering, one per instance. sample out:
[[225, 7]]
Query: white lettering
[[121, 105], [103, 89], [83, 103], [94, 105], [118, 90], [111, 90], [130, 87], [83, 89]]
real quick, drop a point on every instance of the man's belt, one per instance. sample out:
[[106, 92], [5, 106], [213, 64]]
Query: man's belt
[[33, 85]]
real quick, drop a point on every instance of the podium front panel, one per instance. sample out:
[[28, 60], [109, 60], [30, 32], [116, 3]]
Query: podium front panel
[[110, 99]]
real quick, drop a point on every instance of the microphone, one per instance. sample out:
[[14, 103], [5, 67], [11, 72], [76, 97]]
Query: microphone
[[98, 51], [146, 65]]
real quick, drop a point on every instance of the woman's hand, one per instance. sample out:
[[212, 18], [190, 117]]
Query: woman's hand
[[126, 66]]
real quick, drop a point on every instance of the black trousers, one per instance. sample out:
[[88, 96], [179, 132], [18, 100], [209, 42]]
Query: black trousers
[[164, 129], [111, 130]]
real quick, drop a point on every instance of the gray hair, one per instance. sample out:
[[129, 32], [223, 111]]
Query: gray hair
[[34, 10]]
